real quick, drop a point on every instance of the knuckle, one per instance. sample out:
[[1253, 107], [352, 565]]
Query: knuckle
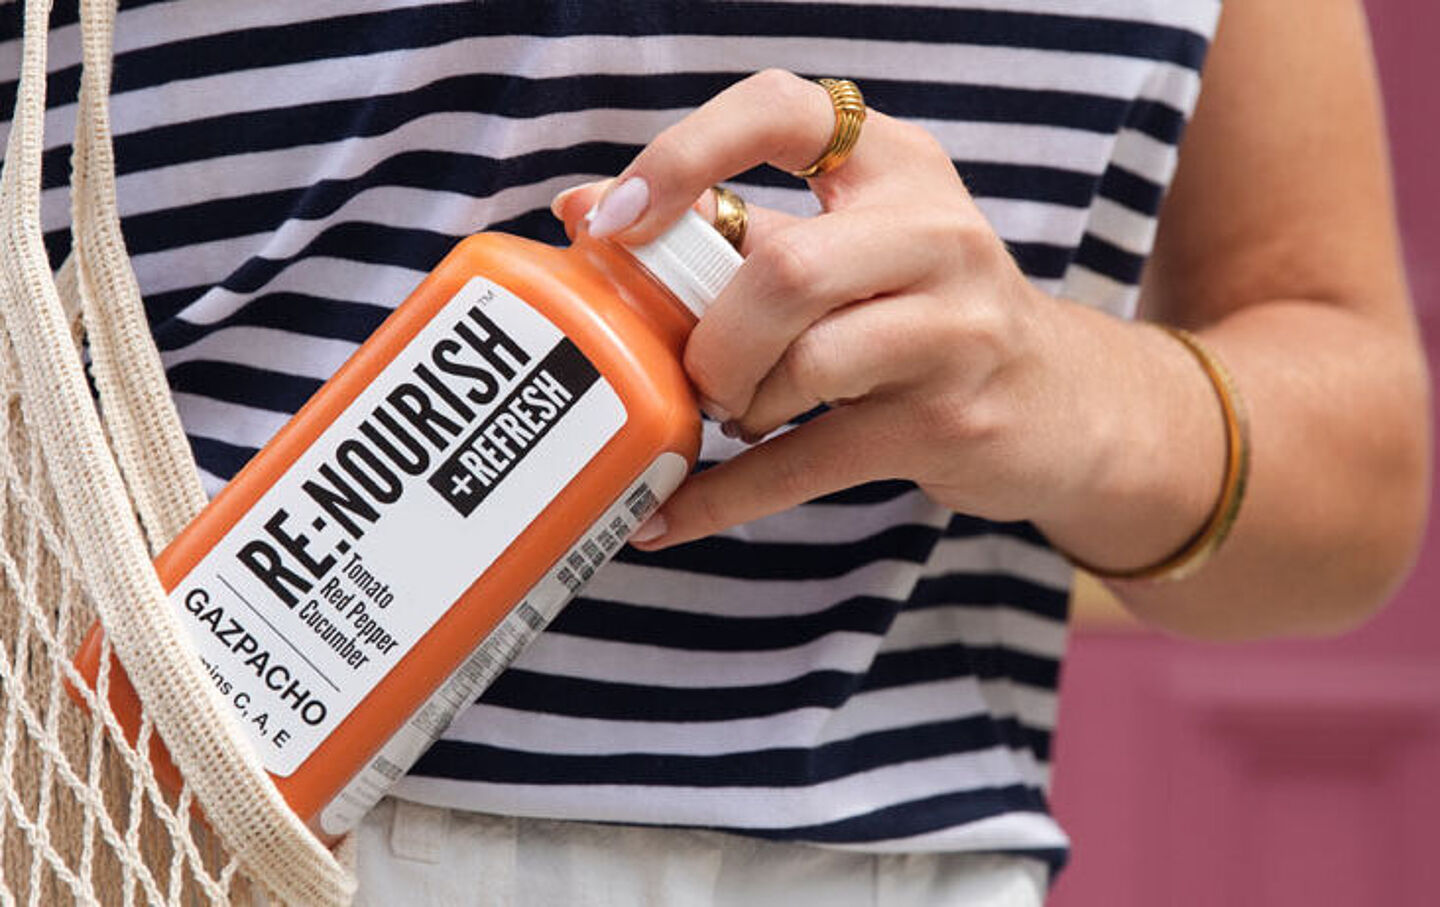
[[788, 264], [967, 237], [790, 101], [700, 367], [914, 140], [808, 366], [774, 79], [987, 331], [925, 146], [782, 88], [952, 420], [965, 251], [911, 134]]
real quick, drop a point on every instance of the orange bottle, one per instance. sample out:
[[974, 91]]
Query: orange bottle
[[437, 502]]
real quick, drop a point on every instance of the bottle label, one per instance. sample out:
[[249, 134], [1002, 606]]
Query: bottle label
[[509, 638], [324, 585]]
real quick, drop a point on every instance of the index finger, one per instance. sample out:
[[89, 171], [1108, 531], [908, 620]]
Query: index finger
[[842, 448], [773, 117], [571, 205]]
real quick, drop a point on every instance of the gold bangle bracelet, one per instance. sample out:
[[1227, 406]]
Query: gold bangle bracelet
[[1192, 555]]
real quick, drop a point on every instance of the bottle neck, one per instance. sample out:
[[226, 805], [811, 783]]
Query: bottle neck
[[670, 318]]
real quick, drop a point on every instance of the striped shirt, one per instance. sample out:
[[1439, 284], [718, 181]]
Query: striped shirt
[[868, 670]]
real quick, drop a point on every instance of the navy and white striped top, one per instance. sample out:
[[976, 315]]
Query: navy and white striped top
[[867, 670]]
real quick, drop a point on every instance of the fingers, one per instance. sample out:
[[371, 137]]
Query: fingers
[[761, 222], [855, 352], [793, 278], [840, 449], [772, 117], [572, 206]]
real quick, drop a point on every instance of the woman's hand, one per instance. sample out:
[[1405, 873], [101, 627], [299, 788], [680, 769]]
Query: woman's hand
[[901, 309]]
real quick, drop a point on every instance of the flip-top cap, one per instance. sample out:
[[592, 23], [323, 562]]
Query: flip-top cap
[[692, 260]]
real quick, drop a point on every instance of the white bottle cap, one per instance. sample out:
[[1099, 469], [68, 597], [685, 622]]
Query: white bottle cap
[[692, 260]]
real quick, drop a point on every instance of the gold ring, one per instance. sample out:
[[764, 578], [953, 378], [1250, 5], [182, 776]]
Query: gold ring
[[731, 216], [849, 116]]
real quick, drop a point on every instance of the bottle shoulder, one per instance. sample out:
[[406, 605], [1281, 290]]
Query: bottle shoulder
[[611, 322]]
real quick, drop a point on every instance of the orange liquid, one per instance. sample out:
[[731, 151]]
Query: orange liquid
[[621, 319]]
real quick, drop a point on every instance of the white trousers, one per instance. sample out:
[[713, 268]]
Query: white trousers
[[417, 856]]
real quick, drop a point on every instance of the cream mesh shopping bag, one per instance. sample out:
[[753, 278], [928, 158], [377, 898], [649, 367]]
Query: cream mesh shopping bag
[[87, 495]]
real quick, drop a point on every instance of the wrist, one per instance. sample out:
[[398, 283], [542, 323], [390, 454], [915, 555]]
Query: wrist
[[1154, 442]]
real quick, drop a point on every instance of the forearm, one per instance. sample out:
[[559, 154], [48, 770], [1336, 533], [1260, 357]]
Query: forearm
[[1340, 462]]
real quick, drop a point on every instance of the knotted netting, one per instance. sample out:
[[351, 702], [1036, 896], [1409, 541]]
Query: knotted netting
[[95, 477]]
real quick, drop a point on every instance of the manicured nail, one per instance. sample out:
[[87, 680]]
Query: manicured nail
[[557, 204], [650, 530], [619, 208], [714, 410]]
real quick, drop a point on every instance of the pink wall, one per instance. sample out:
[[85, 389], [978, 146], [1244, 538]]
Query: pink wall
[[1407, 33], [1281, 774]]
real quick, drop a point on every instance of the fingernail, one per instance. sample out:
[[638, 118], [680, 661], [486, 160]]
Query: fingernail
[[559, 200], [650, 530], [619, 208], [730, 429], [557, 204], [714, 410]]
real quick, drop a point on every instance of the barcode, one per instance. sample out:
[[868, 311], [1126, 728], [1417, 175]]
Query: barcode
[[533, 619], [593, 552], [387, 768], [608, 541], [568, 577], [478, 664], [642, 502], [577, 562]]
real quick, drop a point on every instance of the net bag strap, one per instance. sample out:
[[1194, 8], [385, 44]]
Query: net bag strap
[[239, 802], [139, 413]]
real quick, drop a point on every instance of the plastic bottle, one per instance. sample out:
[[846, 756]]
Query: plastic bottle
[[436, 503]]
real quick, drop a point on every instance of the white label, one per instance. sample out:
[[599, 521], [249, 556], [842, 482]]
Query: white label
[[395, 510], [509, 638]]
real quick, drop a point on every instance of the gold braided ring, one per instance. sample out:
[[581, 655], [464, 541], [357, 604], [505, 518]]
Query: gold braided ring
[[731, 216], [849, 116]]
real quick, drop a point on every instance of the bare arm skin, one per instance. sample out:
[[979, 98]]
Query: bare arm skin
[[1278, 243]]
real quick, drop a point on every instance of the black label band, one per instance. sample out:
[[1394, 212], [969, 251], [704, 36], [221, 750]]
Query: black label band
[[488, 454]]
